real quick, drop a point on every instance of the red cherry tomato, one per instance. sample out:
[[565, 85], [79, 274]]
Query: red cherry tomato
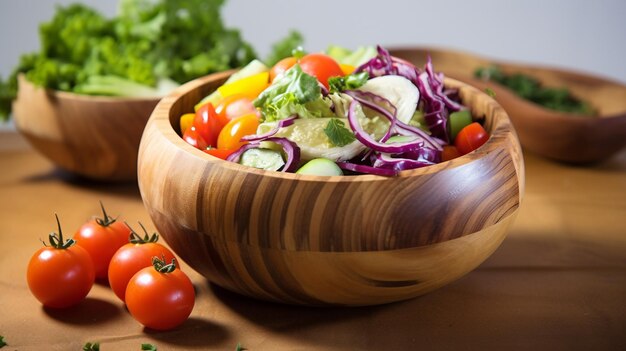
[[321, 66], [207, 124], [133, 257], [449, 152], [219, 153], [160, 297], [194, 139], [281, 67], [231, 134], [234, 106], [60, 275], [101, 238], [470, 138]]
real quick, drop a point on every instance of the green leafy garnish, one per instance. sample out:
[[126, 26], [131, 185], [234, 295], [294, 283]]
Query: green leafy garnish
[[351, 81], [338, 134], [91, 346], [148, 347], [240, 347], [529, 88], [294, 92], [2, 342], [490, 92]]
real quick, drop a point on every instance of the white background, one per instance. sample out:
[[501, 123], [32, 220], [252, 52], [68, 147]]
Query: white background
[[584, 35]]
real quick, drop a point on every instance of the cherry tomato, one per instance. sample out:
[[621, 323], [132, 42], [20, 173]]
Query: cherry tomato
[[207, 124], [60, 275], [194, 139], [470, 138], [321, 66], [281, 67], [160, 297], [132, 257], [231, 134], [449, 152], [186, 121], [101, 237], [234, 106], [219, 153]]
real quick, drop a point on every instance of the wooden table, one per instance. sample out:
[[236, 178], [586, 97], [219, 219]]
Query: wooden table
[[558, 282]]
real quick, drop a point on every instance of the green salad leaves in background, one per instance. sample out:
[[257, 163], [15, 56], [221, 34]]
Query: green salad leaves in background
[[150, 47], [529, 88]]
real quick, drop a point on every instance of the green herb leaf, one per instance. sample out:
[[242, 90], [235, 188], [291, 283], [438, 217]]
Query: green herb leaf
[[294, 88], [285, 47], [351, 81], [148, 347], [338, 134], [490, 92], [240, 347], [91, 346], [2, 342]]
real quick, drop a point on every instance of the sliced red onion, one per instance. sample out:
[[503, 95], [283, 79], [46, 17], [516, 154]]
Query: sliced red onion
[[281, 124], [406, 129], [385, 161], [370, 142], [291, 149], [354, 167]]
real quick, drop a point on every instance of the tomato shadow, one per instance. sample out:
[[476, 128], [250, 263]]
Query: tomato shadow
[[194, 332], [90, 311], [122, 188]]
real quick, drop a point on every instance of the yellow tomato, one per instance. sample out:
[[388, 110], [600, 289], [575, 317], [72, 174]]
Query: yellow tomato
[[186, 121], [233, 131], [250, 87]]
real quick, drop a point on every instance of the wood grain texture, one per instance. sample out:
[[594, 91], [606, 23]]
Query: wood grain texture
[[329, 240], [96, 137], [556, 135]]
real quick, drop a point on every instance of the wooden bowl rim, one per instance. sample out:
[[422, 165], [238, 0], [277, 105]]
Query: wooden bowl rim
[[532, 107], [66, 95], [161, 119]]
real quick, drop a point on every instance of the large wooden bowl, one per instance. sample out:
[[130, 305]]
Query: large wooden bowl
[[340, 240], [556, 135], [95, 137]]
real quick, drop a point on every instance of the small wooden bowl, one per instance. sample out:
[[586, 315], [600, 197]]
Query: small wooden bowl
[[340, 240], [95, 137], [556, 135]]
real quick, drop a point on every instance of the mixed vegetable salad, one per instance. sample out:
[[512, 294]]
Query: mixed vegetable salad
[[334, 113]]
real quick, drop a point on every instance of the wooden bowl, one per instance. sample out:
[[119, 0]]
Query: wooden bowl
[[556, 135], [95, 137], [340, 240]]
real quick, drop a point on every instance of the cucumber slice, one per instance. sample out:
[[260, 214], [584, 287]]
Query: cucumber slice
[[270, 160], [320, 167]]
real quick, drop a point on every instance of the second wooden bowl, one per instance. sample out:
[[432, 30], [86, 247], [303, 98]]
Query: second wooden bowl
[[340, 240], [95, 137], [561, 136]]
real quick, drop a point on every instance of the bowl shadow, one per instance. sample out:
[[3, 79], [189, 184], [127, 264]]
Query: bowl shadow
[[194, 332]]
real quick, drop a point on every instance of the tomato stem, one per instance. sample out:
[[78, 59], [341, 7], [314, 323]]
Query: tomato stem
[[56, 240], [137, 239], [161, 266], [106, 220]]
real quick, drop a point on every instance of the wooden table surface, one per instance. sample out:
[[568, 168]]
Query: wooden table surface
[[558, 282]]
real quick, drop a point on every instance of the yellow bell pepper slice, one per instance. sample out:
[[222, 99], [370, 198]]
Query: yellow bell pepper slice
[[186, 121], [347, 69], [250, 86]]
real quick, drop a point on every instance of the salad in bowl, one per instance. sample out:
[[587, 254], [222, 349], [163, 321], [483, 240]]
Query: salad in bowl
[[334, 113]]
